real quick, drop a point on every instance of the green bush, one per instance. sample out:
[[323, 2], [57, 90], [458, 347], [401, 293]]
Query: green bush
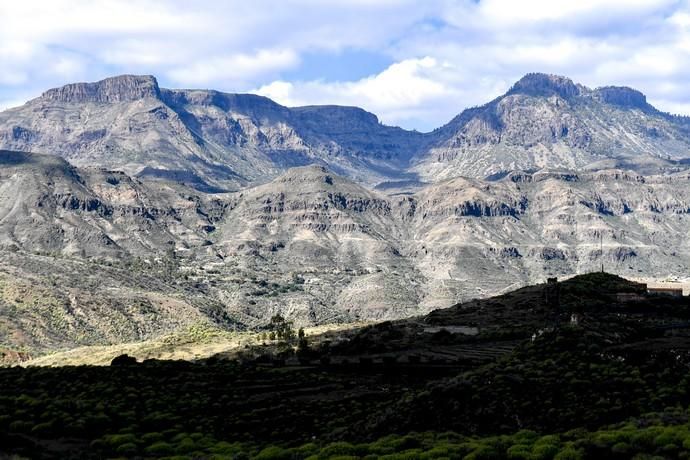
[[483, 453], [569, 453], [544, 451], [42, 428], [160, 448], [338, 449], [127, 449], [114, 440], [519, 452], [273, 453], [621, 448]]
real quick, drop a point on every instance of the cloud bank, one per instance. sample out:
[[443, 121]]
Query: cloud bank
[[414, 64]]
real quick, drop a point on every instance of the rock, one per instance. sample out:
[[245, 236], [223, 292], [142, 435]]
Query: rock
[[124, 360], [621, 96], [124, 88]]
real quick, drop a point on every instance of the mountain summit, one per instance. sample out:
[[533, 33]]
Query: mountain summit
[[550, 122], [124, 88], [539, 84]]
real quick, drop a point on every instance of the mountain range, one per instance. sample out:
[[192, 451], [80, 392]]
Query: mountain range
[[128, 210], [218, 141]]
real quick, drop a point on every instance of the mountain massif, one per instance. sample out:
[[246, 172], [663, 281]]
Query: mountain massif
[[210, 139], [128, 210]]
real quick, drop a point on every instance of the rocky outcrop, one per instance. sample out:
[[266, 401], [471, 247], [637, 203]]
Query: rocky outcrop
[[124, 88], [319, 248], [539, 84], [621, 96]]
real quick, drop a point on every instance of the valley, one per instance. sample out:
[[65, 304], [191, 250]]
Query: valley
[[117, 259]]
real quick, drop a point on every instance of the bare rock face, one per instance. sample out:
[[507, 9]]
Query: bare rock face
[[47, 205], [622, 96], [219, 141], [539, 84], [124, 88], [139, 203]]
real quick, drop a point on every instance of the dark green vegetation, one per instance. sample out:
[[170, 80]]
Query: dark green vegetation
[[590, 368]]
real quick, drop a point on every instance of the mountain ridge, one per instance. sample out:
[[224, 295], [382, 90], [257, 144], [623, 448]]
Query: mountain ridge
[[227, 141]]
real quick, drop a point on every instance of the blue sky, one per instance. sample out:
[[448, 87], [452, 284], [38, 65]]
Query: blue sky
[[414, 63]]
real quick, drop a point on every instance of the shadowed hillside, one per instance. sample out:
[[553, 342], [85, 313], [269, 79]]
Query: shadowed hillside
[[586, 353]]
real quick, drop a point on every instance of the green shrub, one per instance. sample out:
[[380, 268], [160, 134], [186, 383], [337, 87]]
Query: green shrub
[[186, 445], [621, 448], [412, 454], [160, 448], [273, 453], [569, 453], [519, 452], [338, 449], [544, 451], [114, 440], [128, 448], [483, 453], [305, 450], [42, 428]]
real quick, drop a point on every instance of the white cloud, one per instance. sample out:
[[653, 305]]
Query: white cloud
[[442, 55], [239, 67], [403, 91], [508, 12]]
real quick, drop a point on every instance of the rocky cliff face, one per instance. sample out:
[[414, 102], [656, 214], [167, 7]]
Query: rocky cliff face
[[88, 255], [623, 97], [47, 205], [125, 88], [519, 189]]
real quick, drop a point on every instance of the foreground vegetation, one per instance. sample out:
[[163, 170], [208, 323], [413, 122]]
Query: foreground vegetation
[[571, 389]]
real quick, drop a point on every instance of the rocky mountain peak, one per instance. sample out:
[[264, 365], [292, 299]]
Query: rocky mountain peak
[[123, 88], [621, 96], [540, 84], [312, 173]]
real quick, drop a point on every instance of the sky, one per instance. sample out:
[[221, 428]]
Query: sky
[[414, 63]]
